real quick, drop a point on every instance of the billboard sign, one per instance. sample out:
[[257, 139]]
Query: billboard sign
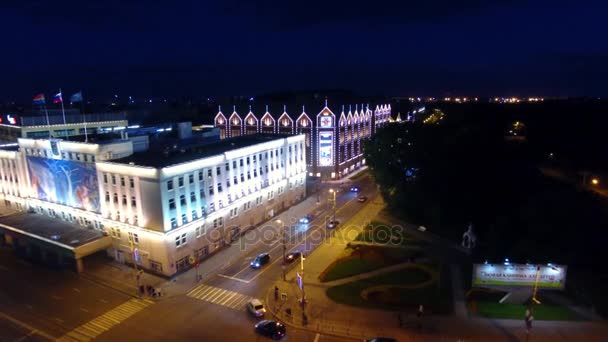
[[326, 148], [549, 277], [65, 182]]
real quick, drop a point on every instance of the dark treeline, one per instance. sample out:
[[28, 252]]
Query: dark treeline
[[465, 169]]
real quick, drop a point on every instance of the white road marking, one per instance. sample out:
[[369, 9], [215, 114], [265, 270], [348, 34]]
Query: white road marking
[[106, 321], [103, 300], [83, 309], [317, 337], [75, 289], [56, 297], [59, 320], [27, 326], [233, 278], [216, 295]]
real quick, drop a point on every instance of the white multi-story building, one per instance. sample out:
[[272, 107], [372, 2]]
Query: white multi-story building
[[160, 206]]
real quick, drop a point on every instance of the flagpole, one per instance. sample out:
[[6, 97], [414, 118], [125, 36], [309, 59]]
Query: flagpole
[[48, 123], [84, 117], [62, 109]]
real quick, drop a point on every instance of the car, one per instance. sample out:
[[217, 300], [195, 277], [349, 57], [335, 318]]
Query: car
[[422, 228], [293, 256], [381, 339], [354, 189], [256, 308], [260, 260], [272, 329], [361, 199], [306, 219], [332, 224]]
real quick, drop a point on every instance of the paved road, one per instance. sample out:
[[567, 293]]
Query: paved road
[[184, 318], [43, 303], [214, 310], [38, 304]]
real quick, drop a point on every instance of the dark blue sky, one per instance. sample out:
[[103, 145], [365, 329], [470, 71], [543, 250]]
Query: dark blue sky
[[234, 47]]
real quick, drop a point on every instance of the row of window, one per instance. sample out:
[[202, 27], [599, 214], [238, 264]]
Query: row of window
[[64, 155], [182, 239], [124, 199], [122, 180], [242, 161]]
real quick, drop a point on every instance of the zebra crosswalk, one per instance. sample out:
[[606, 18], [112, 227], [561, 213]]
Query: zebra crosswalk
[[216, 295], [105, 322]]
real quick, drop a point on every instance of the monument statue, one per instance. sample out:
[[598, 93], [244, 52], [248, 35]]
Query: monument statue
[[469, 239]]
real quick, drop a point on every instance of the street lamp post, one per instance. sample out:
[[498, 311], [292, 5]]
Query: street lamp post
[[332, 191], [284, 246]]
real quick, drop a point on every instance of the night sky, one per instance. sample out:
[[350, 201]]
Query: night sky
[[232, 47]]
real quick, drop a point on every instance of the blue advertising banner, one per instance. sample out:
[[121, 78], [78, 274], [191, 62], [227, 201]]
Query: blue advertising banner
[[65, 182], [326, 147]]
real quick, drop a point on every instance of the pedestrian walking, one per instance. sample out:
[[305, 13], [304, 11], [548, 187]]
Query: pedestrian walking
[[276, 293], [400, 319], [529, 318], [419, 315]]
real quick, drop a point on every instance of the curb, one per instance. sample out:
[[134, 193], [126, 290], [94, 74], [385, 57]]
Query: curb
[[301, 327]]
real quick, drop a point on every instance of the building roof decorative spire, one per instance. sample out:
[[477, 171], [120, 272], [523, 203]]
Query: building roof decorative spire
[[326, 101], [266, 108], [284, 108], [234, 108], [219, 108]]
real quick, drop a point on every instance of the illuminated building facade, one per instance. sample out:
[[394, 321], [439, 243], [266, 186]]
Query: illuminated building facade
[[160, 207], [333, 138]]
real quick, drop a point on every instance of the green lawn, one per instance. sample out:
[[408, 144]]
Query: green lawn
[[435, 297], [370, 258], [350, 267], [516, 311], [381, 233]]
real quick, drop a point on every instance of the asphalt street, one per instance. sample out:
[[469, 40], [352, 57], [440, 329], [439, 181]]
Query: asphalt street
[[214, 310], [39, 304]]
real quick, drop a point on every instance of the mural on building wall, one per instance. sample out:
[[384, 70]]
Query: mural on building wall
[[66, 182]]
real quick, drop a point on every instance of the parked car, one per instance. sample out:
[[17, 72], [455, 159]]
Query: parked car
[[361, 199], [272, 329], [293, 256], [260, 260], [332, 224], [422, 228], [306, 219], [354, 189], [256, 308]]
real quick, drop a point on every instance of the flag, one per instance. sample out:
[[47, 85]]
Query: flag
[[39, 99], [76, 97], [58, 98]]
